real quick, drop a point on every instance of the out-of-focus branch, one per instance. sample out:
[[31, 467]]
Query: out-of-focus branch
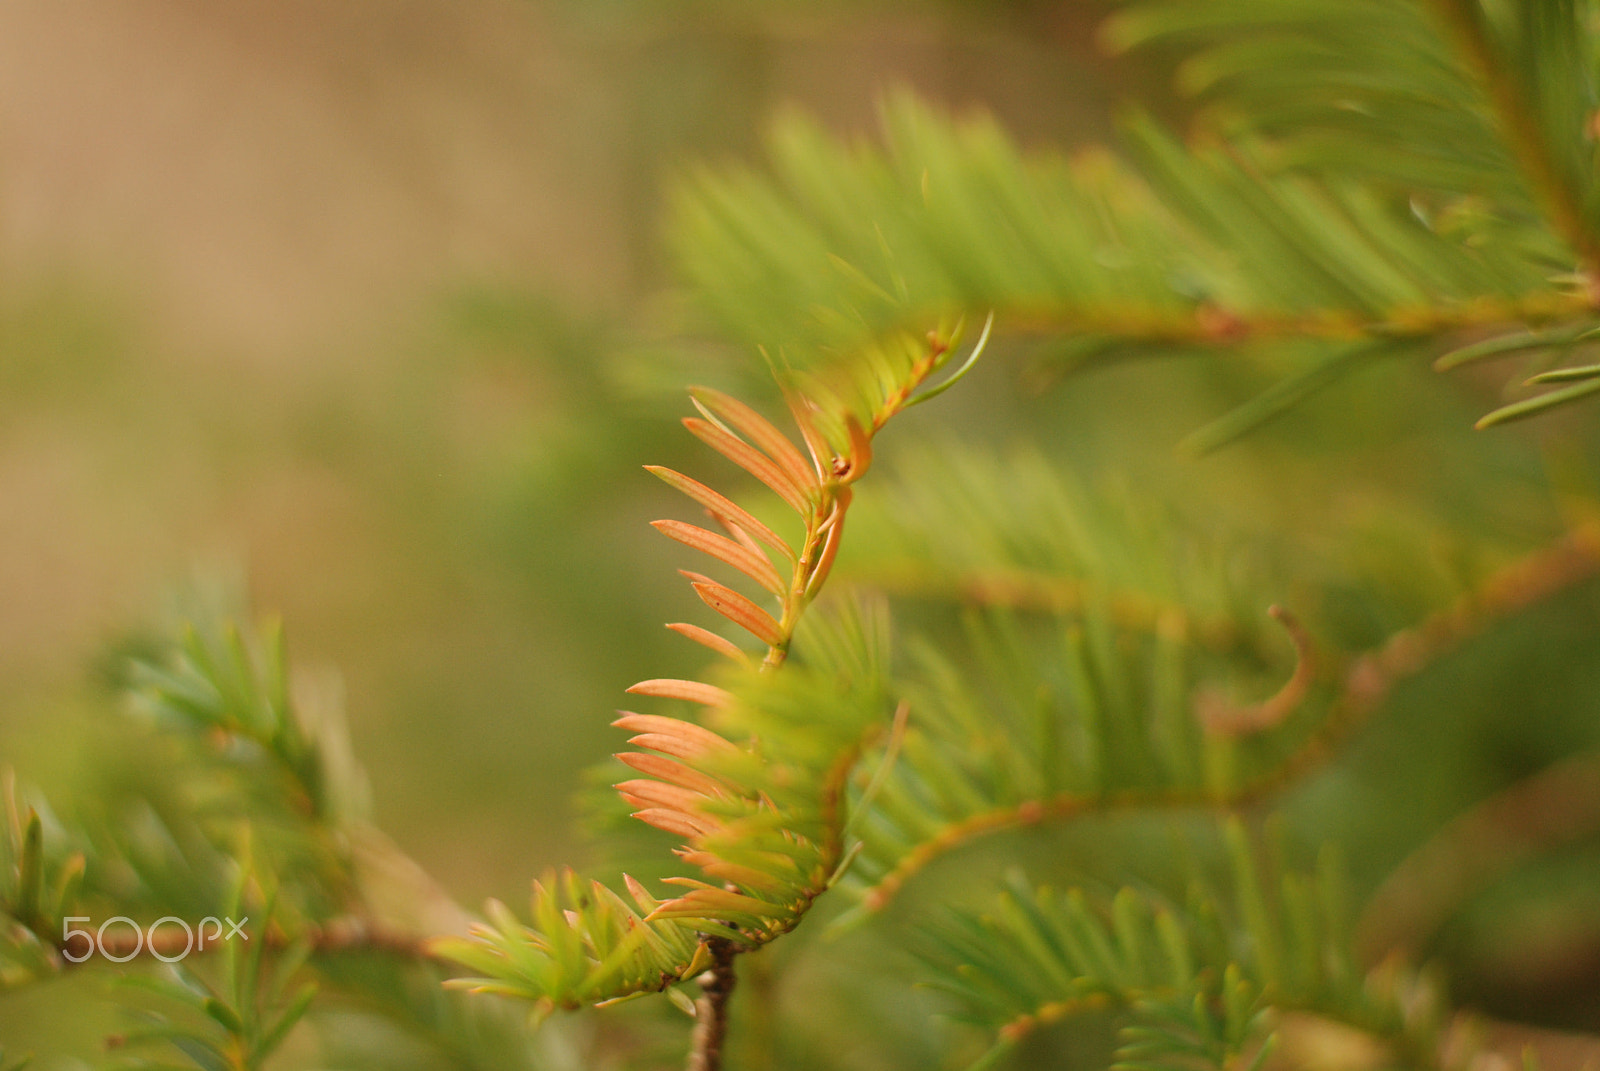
[[1556, 806]]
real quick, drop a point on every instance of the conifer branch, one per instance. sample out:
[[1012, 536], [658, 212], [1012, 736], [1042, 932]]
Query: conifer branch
[[1186, 994], [1519, 124], [1367, 682], [1369, 679], [1217, 326], [821, 491], [762, 821], [1020, 816], [1333, 205]]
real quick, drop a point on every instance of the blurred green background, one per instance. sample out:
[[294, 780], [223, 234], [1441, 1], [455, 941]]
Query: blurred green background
[[365, 303]]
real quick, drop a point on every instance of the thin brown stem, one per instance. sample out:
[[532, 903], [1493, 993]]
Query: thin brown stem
[[711, 1010], [1210, 325]]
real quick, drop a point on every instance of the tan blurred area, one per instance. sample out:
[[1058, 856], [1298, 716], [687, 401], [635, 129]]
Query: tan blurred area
[[257, 192], [225, 231], [268, 174]]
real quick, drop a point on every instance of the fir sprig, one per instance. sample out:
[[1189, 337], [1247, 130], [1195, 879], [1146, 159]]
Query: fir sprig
[[1199, 983], [1372, 178], [757, 793]]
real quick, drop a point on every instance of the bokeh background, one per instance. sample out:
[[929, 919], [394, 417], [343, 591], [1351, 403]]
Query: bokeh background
[[346, 299], [361, 306]]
